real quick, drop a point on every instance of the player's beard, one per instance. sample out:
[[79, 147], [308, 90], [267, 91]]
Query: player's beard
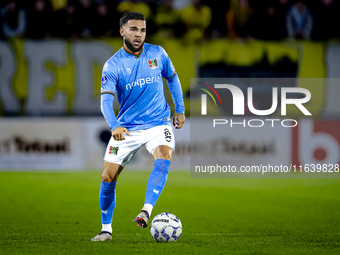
[[130, 46]]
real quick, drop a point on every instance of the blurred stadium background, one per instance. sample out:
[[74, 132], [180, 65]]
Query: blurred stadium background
[[52, 53], [51, 57]]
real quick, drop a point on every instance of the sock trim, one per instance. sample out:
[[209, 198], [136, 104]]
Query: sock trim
[[105, 232], [147, 213]]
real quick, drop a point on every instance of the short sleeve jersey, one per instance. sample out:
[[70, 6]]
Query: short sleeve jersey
[[136, 81]]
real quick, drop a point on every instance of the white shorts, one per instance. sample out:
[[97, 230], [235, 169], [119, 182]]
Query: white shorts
[[121, 152]]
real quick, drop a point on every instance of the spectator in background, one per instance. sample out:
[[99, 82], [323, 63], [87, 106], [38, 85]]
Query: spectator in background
[[101, 20], [135, 6], [114, 17], [168, 20], [299, 21], [38, 17], [197, 18], [282, 8], [239, 19], [180, 5], [326, 19], [66, 22], [141, 7], [13, 20], [153, 5], [84, 14], [58, 5], [217, 27], [269, 22]]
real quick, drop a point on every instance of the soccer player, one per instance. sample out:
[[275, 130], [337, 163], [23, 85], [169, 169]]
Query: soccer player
[[134, 76]]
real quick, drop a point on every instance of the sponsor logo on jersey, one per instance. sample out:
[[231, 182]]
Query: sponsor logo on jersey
[[153, 63], [104, 80], [167, 134], [141, 82], [113, 150]]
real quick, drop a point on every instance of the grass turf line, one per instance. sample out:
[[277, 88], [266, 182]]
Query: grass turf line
[[58, 213]]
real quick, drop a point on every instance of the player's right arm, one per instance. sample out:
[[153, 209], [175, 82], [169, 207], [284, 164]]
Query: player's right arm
[[108, 90], [106, 107]]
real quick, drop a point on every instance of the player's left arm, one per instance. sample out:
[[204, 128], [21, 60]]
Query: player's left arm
[[177, 96], [169, 73], [178, 120]]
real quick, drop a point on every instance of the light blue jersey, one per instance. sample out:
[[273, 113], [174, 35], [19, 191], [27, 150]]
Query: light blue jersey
[[136, 81]]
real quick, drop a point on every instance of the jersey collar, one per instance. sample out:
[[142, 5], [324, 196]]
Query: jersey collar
[[136, 54]]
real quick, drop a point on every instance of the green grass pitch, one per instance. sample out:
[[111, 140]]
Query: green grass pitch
[[58, 213]]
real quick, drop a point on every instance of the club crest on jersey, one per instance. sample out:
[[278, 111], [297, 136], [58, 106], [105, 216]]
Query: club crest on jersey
[[153, 63], [104, 80]]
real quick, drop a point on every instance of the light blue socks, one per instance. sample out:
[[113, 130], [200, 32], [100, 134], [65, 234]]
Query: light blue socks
[[107, 200], [155, 185], [157, 180]]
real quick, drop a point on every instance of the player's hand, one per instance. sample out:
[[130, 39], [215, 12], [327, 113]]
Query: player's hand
[[178, 120], [118, 133]]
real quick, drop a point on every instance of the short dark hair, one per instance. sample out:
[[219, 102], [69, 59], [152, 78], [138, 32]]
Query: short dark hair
[[130, 16]]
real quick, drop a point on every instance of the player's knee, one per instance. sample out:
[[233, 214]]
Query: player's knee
[[106, 177], [111, 172], [165, 156], [163, 152]]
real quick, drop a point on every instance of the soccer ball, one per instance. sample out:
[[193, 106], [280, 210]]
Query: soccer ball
[[166, 227]]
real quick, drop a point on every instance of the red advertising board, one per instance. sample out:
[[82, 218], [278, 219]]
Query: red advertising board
[[316, 142]]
